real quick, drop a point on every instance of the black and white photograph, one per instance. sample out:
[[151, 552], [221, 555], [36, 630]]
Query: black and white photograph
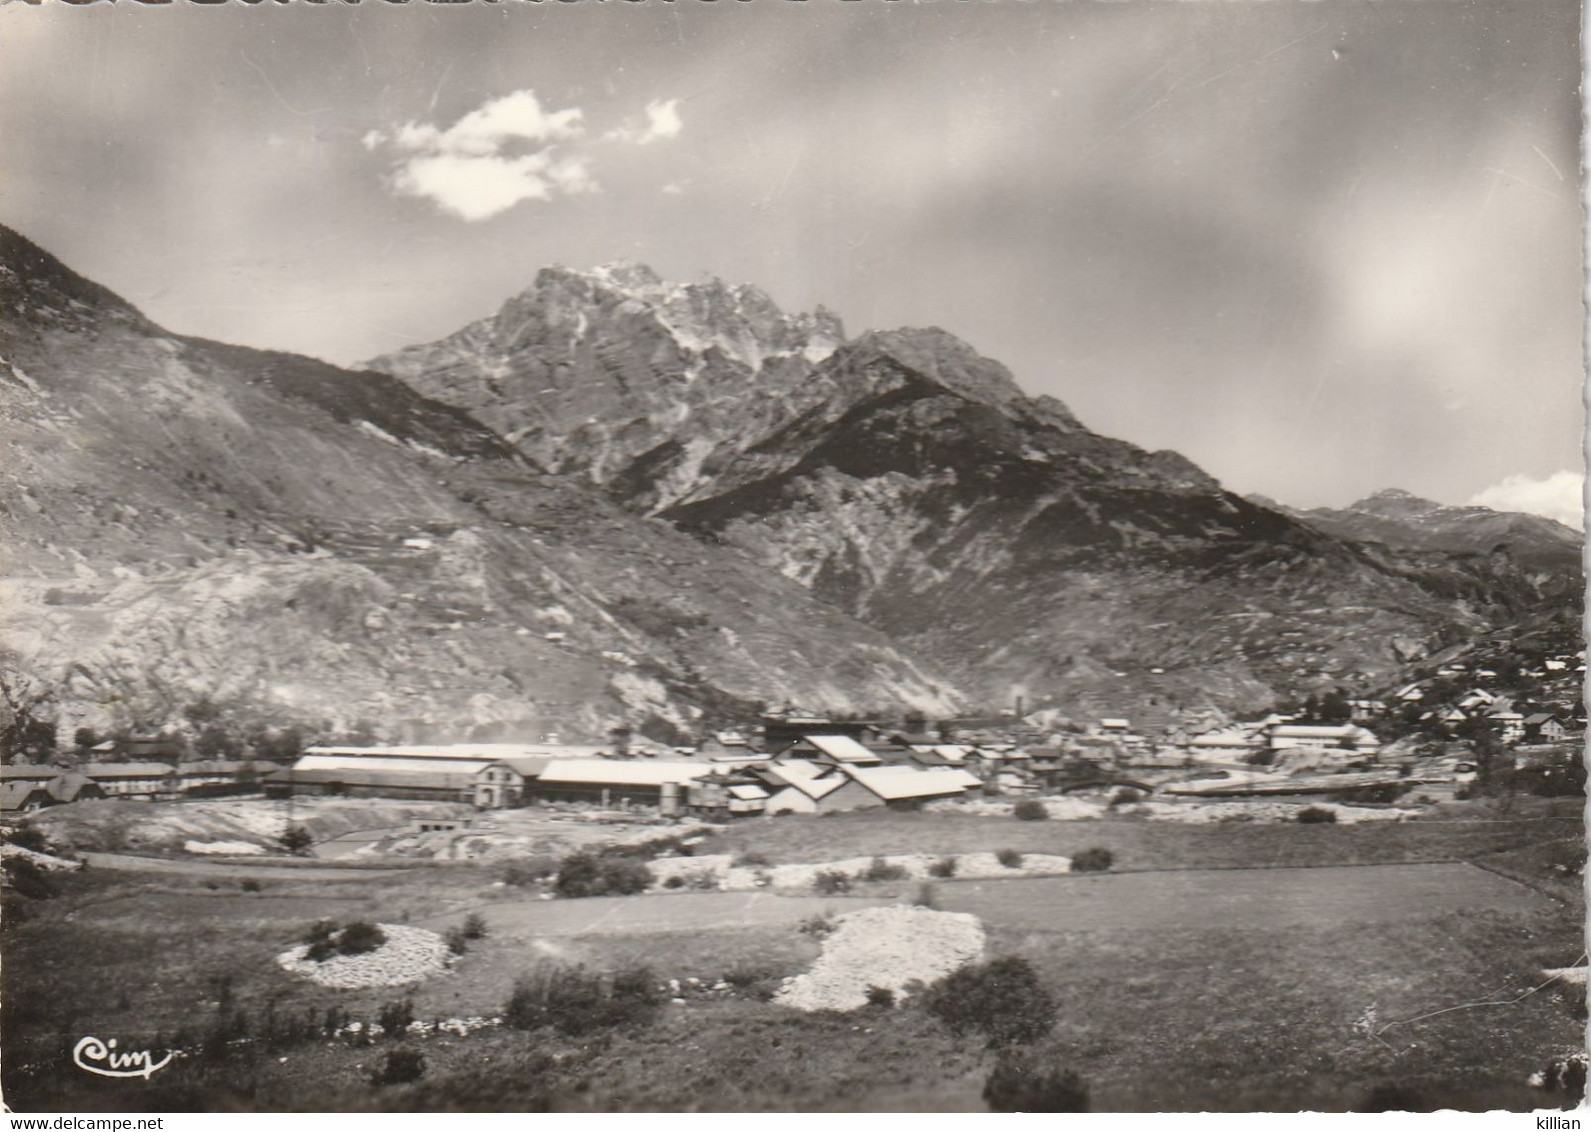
[[857, 556]]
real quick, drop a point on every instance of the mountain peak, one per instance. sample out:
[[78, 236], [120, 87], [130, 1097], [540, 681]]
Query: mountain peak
[[1395, 501], [946, 360]]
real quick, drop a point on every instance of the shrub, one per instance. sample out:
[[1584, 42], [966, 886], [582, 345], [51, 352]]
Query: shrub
[[675, 881], [360, 937], [457, 942], [474, 926], [592, 874], [27, 879], [881, 997], [1010, 858], [1030, 809], [321, 940], [576, 1002], [816, 926], [830, 882], [745, 974], [1314, 815], [880, 869], [250, 885], [296, 839], [752, 860], [395, 1016], [1095, 860], [924, 897], [704, 881], [1002, 999], [1125, 796], [1023, 1082], [28, 837], [944, 867], [399, 1067]]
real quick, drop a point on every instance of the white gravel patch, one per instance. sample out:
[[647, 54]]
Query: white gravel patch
[[1573, 976], [720, 870], [1193, 813], [228, 848], [883, 947], [46, 861], [409, 955]]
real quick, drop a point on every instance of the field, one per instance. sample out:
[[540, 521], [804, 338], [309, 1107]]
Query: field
[[1204, 986]]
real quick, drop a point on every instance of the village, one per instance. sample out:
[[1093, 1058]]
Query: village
[[1426, 741]]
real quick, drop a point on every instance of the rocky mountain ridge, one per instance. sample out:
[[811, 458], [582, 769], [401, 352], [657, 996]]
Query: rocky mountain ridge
[[907, 480]]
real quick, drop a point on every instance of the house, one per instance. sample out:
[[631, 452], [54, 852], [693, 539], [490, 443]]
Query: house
[[23, 796], [1346, 736], [836, 750], [216, 776], [807, 786], [1510, 725], [609, 782], [145, 781], [1409, 694], [1543, 727], [1363, 711], [487, 785], [799, 786], [1223, 744]]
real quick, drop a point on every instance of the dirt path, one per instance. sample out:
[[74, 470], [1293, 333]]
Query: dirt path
[[1241, 898], [194, 867], [623, 915]]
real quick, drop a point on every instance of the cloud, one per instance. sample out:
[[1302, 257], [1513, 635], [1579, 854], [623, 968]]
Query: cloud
[[1558, 496], [507, 150], [662, 122]]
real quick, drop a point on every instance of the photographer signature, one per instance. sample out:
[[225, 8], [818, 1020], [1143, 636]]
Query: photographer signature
[[102, 1058]]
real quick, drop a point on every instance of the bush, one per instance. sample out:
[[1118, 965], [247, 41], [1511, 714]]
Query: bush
[[816, 926], [1002, 999], [474, 926], [1022, 1082], [1094, 860], [881, 997], [576, 1002], [457, 942], [1030, 809], [27, 879], [395, 1016], [924, 897], [675, 881], [359, 938], [399, 1067], [593, 874], [250, 885], [28, 837], [944, 867], [752, 861], [324, 939], [831, 882], [1010, 858], [296, 839], [880, 869], [1314, 815], [745, 974]]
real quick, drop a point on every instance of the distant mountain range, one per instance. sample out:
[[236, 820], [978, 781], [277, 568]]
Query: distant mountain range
[[625, 500]]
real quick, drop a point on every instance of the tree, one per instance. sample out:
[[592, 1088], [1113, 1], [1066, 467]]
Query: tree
[[1334, 707], [85, 738], [296, 839], [1311, 710], [1025, 1082], [215, 742], [1002, 999]]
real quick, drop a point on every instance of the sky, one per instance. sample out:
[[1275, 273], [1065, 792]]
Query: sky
[[1320, 250]]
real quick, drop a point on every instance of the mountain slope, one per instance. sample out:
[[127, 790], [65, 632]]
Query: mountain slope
[[905, 479], [185, 520], [1403, 521]]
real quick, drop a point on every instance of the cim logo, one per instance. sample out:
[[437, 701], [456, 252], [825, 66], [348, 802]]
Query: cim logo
[[99, 1057]]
